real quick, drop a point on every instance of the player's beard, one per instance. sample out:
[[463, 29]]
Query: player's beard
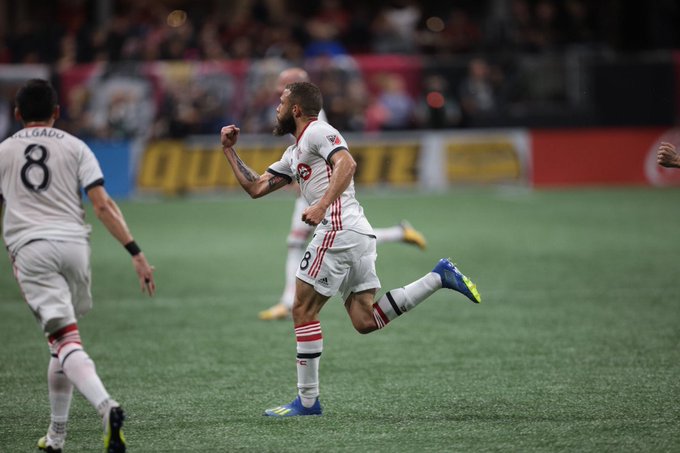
[[285, 125]]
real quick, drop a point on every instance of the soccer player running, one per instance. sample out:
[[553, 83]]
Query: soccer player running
[[300, 232], [341, 256], [42, 170]]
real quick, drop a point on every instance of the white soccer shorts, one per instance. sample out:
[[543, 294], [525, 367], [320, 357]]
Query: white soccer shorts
[[340, 261], [54, 277]]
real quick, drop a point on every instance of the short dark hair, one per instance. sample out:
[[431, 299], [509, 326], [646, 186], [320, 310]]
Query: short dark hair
[[307, 96], [36, 100]]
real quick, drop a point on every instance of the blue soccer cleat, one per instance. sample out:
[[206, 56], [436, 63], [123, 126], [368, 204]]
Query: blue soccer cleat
[[454, 279], [294, 409]]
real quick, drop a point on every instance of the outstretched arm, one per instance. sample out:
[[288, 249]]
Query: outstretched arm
[[343, 172], [256, 185], [109, 214], [667, 156]]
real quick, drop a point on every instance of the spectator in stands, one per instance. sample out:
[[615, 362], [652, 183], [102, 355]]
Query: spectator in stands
[[394, 28], [476, 92], [548, 33], [437, 107], [461, 33], [393, 107]]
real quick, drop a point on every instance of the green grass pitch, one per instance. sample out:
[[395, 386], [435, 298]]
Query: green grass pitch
[[575, 347]]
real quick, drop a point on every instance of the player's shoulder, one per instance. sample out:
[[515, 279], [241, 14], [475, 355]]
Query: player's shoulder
[[321, 130]]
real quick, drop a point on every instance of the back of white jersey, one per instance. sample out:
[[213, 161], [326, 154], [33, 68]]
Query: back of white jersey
[[42, 170], [308, 161]]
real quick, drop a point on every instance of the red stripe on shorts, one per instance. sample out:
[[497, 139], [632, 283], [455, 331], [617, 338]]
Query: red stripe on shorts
[[321, 252]]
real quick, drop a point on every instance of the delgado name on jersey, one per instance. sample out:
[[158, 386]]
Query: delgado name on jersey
[[42, 170]]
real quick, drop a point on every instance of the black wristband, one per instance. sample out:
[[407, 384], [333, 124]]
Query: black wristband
[[133, 248]]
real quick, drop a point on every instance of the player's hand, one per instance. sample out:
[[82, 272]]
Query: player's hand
[[144, 273], [229, 135], [667, 156], [313, 215]]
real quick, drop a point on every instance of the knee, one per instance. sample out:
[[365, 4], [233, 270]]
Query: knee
[[302, 313]]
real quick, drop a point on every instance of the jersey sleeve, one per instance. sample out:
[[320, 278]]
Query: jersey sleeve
[[89, 171], [282, 167], [326, 141]]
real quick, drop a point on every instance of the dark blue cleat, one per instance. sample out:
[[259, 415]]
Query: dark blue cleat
[[454, 279]]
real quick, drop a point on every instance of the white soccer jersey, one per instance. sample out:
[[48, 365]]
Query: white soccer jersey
[[308, 161], [42, 170]]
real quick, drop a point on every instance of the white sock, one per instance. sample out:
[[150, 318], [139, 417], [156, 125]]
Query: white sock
[[309, 348], [60, 391], [398, 301], [80, 370], [391, 234]]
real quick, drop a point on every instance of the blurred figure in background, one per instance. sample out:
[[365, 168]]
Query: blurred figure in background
[[394, 27], [437, 108], [477, 92], [393, 107]]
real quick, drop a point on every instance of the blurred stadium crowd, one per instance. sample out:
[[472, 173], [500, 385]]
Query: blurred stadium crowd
[[476, 60]]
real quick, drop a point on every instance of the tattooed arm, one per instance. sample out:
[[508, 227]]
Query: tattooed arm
[[256, 185]]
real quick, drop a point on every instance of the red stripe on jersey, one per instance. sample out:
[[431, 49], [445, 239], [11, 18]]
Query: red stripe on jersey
[[337, 211], [336, 220]]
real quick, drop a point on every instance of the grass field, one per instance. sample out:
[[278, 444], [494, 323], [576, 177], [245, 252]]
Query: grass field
[[576, 346]]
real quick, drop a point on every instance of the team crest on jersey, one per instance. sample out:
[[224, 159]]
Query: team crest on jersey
[[334, 139], [304, 171]]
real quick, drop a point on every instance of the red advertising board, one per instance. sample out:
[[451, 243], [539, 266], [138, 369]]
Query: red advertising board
[[575, 157]]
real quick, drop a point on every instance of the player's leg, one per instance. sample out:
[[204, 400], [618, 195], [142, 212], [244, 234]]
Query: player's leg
[[77, 364], [60, 390], [367, 315], [318, 278], [403, 232], [41, 269], [309, 339], [298, 237]]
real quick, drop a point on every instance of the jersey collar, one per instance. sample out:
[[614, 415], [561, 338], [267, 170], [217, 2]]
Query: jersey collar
[[304, 129]]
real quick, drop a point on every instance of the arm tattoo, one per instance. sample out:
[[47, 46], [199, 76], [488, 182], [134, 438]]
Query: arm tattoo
[[274, 181], [243, 168]]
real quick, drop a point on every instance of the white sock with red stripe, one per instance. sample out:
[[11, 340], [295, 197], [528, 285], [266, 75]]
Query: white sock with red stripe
[[79, 368], [60, 391], [309, 347], [398, 301]]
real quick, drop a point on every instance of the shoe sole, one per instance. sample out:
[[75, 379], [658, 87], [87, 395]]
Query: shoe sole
[[473, 289], [115, 441]]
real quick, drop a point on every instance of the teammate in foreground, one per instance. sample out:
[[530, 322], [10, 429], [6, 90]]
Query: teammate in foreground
[[667, 156], [341, 256], [300, 232], [42, 170]]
